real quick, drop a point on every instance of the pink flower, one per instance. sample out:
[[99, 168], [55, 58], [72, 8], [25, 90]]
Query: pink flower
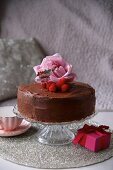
[[57, 68]]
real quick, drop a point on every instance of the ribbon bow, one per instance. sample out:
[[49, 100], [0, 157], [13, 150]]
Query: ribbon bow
[[89, 129]]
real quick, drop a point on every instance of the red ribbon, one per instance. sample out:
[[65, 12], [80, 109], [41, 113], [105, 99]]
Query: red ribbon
[[89, 129]]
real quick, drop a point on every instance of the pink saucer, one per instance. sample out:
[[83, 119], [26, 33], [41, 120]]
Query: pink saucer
[[23, 127]]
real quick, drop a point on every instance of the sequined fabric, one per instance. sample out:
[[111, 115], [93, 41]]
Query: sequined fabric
[[43, 156], [17, 57]]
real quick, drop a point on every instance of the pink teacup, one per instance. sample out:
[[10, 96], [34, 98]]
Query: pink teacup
[[8, 120]]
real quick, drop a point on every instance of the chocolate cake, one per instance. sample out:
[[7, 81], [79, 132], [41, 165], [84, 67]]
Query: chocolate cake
[[39, 104]]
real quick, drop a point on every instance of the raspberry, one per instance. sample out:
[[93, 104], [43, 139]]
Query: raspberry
[[53, 87], [48, 84], [61, 82], [65, 87]]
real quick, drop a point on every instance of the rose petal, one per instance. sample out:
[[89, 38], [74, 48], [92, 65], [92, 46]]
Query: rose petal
[[55, 73], [71, 76], [58, 59], [53, 78], [58, 72], [62, 70], [69, 69], [36, 69], [57, 54], [46, 64], [37, 79]]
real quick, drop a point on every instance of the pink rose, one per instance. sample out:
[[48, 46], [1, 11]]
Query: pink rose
[[57, 66]]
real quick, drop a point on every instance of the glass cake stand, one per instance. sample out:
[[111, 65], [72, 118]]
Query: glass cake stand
[[55, 133]]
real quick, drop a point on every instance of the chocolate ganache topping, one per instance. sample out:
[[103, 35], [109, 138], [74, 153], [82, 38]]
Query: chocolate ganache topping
[[39, 104]]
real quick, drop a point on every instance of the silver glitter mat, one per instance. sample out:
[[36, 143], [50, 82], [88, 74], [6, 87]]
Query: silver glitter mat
[[25, 150]]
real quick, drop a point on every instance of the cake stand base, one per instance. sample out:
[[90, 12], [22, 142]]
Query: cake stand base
[[55, 135]]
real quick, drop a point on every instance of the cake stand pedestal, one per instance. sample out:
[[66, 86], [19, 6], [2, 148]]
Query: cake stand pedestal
[[54, 133]]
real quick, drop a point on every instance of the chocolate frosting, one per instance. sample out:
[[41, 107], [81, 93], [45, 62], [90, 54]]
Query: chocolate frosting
[[39, 104]]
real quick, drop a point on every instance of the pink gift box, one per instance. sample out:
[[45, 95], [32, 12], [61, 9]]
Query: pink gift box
[[93, 138]]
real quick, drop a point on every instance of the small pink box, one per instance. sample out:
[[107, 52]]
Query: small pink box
[[93, 138]]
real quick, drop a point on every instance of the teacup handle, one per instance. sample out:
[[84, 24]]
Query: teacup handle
[[1, 127]]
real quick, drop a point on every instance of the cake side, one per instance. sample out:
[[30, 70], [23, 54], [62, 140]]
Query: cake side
[[39, 104]]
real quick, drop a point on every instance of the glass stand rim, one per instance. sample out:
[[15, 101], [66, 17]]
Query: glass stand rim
[[55, 133]]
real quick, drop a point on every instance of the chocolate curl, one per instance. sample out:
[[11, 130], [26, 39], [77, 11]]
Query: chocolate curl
[[43, 76], [89, 129]]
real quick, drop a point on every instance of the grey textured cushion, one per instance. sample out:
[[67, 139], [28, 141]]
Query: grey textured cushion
[[17, 57]]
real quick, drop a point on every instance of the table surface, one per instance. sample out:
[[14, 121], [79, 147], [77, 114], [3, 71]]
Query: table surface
[[102, 118]]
